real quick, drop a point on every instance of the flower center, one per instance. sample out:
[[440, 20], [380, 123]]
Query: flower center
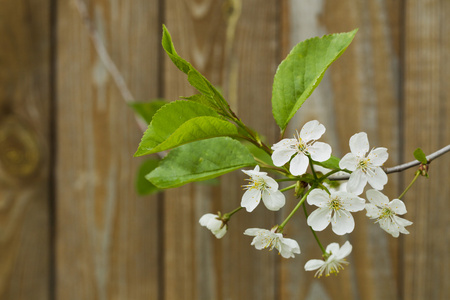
[[386, 213], [335, 204], [256, 182]]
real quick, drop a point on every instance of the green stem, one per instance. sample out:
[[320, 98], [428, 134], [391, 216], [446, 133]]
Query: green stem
[[313, 232], [328, 174], [312, 166], [281, 227], [227, 216], [409, 186], [288, 188], [286, 179]]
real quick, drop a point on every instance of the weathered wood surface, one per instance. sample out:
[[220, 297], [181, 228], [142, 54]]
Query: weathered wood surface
[[426, 124], [197, 264], [359, 93], [107, 237], [24, 149], [111, 244]]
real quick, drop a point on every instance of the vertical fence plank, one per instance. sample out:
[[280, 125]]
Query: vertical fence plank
[[426, 122], [24, 149], [360, 92], [240, 60], [106, 236]]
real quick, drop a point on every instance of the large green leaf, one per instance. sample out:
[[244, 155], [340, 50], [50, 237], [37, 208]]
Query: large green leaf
[[143, 186], [182, 122], [302, 70], [146, 110], [196, 79], [200, 160]]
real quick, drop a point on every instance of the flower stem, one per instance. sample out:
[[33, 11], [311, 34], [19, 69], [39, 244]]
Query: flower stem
[[410, 185], [313, 232], [288, 188], [328, 174], [281, 227], [312, 167], [227, 216]]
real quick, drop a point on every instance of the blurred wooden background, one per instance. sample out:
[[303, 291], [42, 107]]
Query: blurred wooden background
[[71, 224]]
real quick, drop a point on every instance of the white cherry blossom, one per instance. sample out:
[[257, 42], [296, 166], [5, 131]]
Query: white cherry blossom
[[386, 212], [215, 224], [261, 186], [333, 263], [334, 209], [301, 146], [264, 238], [364, 168]]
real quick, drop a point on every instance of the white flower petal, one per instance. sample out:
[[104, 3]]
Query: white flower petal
[[252, 231], [377, 198], [318, 198], [378, 156], [378, 179], [221, 232], [350, 202], [387, 225], [281, 156], [398, 206], [373, 211], [284, 143], [271, 183], [359, 144], [313, 264], [320, 151], [299, 164], [319, 219], [345, 250], [288, 248], [332, 248], [273, 200], [357, 182], [342, 222], [250, 199], [206, 218], [402, 222], [312, 130], [349, 162]]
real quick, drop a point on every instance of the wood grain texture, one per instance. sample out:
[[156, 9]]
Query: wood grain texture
[[360, 92], [426, 123], [107, 236], [24, 149], [241, 59]]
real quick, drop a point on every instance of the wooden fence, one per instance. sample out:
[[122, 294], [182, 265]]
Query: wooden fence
[[71, 224]]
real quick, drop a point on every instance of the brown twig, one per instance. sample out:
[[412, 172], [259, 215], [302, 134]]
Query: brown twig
[[404, 166]]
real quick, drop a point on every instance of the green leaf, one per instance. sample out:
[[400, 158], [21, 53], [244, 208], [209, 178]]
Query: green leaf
[[202, 99], [182, 122], [196, 79], [143, 186], [302, 70], [146, 110], [332, 163], [420, 156], [259, 153], [201, 160]]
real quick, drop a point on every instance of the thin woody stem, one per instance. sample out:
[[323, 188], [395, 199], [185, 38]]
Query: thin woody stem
[[404, 166]]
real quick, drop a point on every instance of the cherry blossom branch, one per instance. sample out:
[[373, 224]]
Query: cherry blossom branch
[[404, 166]]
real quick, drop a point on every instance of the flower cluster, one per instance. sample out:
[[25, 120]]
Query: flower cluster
[[335, 206]]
